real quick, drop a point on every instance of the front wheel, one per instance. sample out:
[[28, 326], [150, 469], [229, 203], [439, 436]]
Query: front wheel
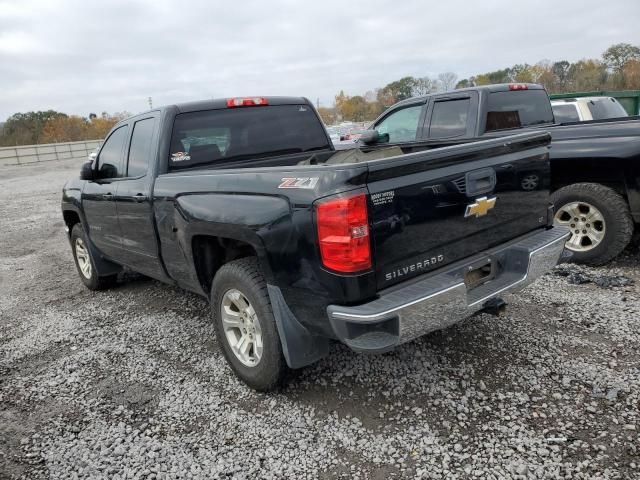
[[599, 219], [85, 264], [245, 326]]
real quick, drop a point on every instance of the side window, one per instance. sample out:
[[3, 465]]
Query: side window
[[110, 159], [401, 125], [140, 150], [449, 118], [565, 113]]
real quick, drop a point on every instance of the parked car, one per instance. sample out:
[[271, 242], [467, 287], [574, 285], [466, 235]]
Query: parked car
[[354, 134], [334, 134], [595, 165], [583, 109], [246, 202]]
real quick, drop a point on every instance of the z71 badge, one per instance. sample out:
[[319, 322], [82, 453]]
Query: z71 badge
[[303, 182]]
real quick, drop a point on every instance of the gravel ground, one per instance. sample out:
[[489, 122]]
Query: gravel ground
[[129, 383]]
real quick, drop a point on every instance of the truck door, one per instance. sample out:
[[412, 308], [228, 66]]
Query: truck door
[[98, 195], [134, 202]]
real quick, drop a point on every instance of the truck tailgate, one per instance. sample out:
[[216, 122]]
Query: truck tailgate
[[429, 209]]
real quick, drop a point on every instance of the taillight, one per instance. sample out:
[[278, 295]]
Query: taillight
[[343, 233], [246, 102], [518, 86]]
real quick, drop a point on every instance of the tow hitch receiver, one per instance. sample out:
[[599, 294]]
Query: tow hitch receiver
[[479, 273], [495, 306]]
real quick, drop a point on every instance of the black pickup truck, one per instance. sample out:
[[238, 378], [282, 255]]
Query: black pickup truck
[[595, 165], [246, 202]]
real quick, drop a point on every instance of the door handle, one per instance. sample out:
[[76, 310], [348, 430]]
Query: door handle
[[480, 181], [108, 196], [139, 198]]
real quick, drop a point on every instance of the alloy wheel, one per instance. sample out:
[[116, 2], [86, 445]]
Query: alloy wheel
[[241, 327], [586, 223], [84, 261]]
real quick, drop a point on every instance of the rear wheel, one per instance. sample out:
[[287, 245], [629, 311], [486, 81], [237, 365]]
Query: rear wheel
[[599, 219], [85, 262], [245, 327]]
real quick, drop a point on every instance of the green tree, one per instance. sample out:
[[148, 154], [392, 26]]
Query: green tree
[[27, 128], [616, 56], [401, 89]]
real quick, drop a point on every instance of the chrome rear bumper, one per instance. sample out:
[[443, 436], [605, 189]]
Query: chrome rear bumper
[[441, 299]]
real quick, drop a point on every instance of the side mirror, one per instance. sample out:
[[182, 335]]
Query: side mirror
[[370, 137], [87, 172]]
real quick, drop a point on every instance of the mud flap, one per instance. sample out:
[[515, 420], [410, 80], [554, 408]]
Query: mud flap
[[300, 347]]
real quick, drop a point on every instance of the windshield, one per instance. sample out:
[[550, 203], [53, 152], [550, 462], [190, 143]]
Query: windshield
[[226, 135], [606, 107], [518, 108]]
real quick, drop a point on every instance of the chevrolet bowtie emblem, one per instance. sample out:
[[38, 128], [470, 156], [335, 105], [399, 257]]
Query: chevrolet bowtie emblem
[[480, 207]]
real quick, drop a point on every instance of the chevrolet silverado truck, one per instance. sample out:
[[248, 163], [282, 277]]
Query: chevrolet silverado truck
[[246, 202], [595, 165]]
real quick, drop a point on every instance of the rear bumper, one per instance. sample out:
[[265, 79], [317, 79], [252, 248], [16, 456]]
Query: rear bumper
[[415, 308]]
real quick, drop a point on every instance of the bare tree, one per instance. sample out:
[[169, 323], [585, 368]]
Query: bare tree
[[447, 81], [423, 86]]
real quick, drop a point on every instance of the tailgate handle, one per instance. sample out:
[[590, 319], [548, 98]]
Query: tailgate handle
[[480, 181]]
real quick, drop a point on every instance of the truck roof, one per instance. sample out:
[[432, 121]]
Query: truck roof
[[559, 101], [219, 103], [497, 87]]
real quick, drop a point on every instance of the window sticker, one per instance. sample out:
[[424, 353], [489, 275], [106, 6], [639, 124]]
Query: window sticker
[[180, 157]]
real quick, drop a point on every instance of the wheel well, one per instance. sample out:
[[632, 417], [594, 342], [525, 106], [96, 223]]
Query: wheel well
[[210, 253], [70, 218], [587, 170]]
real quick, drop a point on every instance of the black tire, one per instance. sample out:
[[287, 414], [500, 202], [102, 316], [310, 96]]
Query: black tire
[[245, 276], [92, 281], [617, 220]]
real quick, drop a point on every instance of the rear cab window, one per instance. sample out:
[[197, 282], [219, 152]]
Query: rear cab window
[[216, 137], [602, 108], [517, 109]]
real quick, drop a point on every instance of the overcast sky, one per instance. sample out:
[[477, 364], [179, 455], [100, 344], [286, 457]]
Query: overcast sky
[[83, 56]]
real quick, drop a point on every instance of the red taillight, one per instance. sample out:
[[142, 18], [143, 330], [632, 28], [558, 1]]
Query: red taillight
[[343, 233], [246, 102], [518, 86]]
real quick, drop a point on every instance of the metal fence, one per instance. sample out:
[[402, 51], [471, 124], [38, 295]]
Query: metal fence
[[46, 152]]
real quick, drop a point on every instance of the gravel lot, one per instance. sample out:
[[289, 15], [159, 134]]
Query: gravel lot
[[129, 383]]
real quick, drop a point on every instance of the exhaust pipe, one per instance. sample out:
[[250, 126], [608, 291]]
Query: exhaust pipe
[[495, 306]]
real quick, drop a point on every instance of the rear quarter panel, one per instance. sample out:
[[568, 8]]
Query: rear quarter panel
[[278, 223]]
